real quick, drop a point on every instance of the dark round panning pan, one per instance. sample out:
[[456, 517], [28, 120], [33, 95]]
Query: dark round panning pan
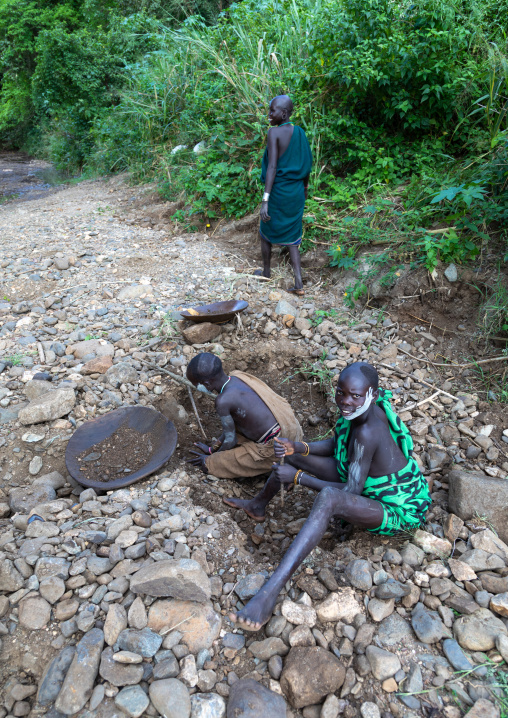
[[216, 313], [162, 433]]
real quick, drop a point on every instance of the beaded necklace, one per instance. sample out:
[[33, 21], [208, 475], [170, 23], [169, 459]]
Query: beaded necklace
[[226, 382]]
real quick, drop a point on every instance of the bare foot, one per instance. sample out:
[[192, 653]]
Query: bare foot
[[256, 613], [299, 291], [262, 273], [249, 507]]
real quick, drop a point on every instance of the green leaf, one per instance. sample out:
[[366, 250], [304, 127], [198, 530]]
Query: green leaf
[[449, 194]]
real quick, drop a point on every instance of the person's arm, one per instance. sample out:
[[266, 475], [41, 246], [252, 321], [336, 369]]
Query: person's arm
[[285, 447], [273, 157], [359, 466], [306, 185], [228, 424]]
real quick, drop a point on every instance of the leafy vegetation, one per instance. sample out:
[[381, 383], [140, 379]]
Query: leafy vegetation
[[405, 105]]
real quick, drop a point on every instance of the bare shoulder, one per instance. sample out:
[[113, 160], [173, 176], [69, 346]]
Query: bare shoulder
[[223, 404], [372, 432]]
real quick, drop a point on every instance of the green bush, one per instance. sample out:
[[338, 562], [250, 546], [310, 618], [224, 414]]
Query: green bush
[[404, 104]]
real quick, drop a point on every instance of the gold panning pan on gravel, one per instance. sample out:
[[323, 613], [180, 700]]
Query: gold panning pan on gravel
[[217, 313], [121, 447]]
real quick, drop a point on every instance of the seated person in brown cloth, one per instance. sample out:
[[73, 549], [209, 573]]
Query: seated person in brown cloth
[[251, 414]]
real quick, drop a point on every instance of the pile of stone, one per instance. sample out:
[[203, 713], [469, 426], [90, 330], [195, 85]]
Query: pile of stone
[[117, 604], [136, 600]]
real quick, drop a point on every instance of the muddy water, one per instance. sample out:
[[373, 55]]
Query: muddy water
[[23, 178]]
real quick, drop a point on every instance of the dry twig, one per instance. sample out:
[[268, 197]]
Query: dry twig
[[196, 413]]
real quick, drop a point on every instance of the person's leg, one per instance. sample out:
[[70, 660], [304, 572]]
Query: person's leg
[[266, 255], [330, 502], [322, 467], [294, 255]]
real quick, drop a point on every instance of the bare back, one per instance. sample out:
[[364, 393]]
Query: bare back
[[251, 415], [278, 142]]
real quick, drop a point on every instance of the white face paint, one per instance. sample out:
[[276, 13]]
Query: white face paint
[[361, 409]]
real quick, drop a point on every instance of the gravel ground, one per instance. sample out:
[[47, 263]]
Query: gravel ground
[[115, 603]]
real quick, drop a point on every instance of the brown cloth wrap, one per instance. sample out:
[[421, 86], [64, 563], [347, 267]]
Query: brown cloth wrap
[[249, 458]]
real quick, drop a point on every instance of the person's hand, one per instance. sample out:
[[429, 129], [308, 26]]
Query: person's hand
[[198, 461], [204, 448], [283, 447], [285, 474], [265, 217], [200, 455], [306, 191]]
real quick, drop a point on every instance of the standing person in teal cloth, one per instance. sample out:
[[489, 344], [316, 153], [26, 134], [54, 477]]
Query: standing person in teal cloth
[[285, 172]]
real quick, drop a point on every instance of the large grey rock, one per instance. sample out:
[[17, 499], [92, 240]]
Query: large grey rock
[[484, 708], [98, 347], [116, 527], [201, 333], [457, 658], [432, 544], [26, 498], [132, 700], [34, 613], [480, 560], [339, 606], [35, 388], [488, 541], [479, 631], [10, 578], [395, 630], [383, 663], [133, 291], [198, 622], [283, 307], [499, 604], [412, 555], [54, 479], [184, 580], [392, 589], [145, 642], [121, 373], [119, 674], [248, 587], [137, 616], [413, 682], [53, 676], [170, 698], [115, 623], [49, 406], [427, 625], [309, 675], [359, 575], [208, 705], [79, 681], [264, 650], [249, 699], [472, 493], [298, 613], [52, 566]]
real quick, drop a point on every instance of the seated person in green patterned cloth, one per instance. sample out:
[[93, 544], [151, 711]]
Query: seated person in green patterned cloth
[[366, 475]]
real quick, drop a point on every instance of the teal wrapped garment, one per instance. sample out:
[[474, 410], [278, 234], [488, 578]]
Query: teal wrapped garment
[[287, 197]]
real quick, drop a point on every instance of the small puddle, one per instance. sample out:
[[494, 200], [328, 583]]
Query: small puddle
[[23, 178]]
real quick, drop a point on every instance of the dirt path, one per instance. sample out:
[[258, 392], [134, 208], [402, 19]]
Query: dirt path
[[92, 280]]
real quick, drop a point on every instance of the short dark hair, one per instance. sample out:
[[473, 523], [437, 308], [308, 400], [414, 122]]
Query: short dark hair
[[284, 101], [368, 371], [204, 366]]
